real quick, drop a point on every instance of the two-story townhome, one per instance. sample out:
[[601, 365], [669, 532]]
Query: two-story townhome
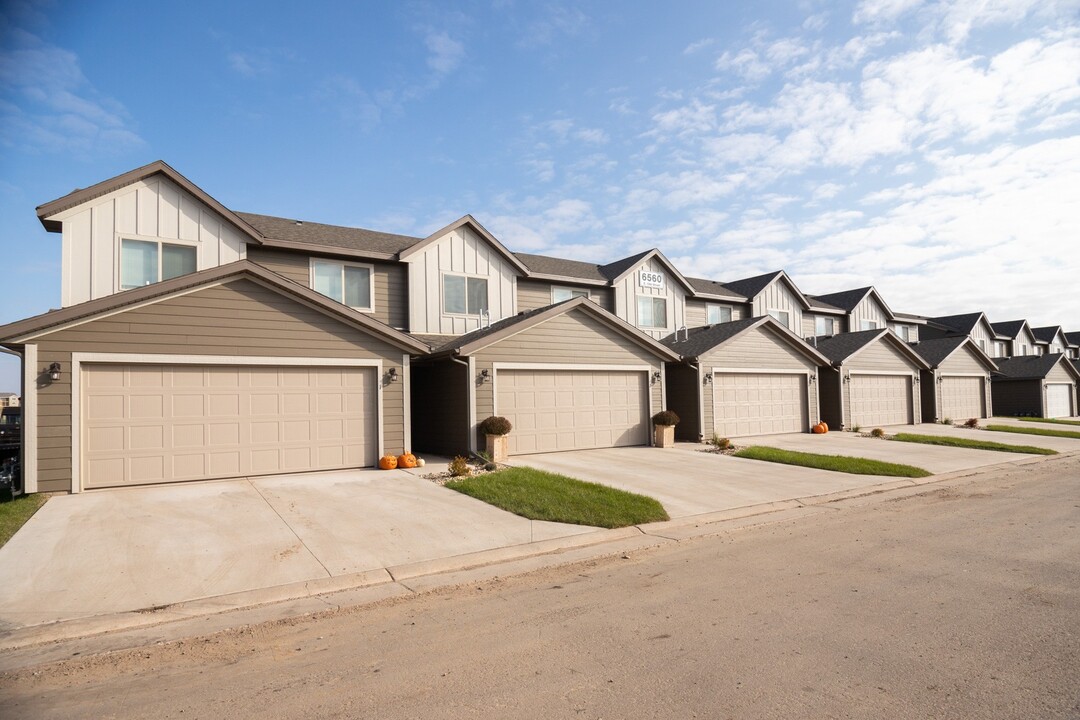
[[861, 309], [974, 325], [1017, 336], [1051, 340], [1074, 344]]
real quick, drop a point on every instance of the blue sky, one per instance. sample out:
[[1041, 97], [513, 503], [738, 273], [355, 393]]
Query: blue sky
[[932, 150]]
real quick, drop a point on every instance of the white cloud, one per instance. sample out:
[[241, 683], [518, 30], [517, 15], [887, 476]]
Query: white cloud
[[444, 53], [698, 45], [873, 11]]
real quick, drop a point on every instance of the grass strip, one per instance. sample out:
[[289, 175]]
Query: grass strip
[[969, 443], [540, 495], [15, 513], [1045, 432], [836, 463], [1053, 421]]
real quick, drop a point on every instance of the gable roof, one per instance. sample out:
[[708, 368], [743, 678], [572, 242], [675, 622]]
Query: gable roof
[[1073, 338], [938, 350], [963, 324], [469, 343], [1010, 328], [712, 287], [695, 342], [841, 348], [299, 235], [479, 229], [22, 330], [619, 269], [1033, 367], [158, 167], [750, 288], [1046, 334], [848, 300], [553, 267]]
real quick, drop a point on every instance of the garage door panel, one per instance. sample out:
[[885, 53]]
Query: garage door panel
[[152, 424], [554, 410], [759, 403], [881, 400], [962, 397], [1059, 400]]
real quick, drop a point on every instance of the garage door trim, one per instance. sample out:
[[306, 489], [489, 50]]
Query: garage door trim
[[1069, 398], [943, 376], [913, 398], [811, 378], [77, 359], [496, 367]]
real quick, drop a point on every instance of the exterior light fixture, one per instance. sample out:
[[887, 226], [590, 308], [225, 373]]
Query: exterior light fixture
[[656, 377], [392, 374], [707, 380], [485, 375], [54, 371]]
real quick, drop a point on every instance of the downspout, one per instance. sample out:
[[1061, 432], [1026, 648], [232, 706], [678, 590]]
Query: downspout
[[470, 395]]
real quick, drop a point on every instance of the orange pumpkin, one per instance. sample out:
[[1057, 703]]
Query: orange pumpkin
[[824, 425], [388, 462], [818, 429], [406, 460]]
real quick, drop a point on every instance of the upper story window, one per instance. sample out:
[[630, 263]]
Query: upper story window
[[904, 331], [783, 316], [824, 326], [868, 325], [463, 295], [143, 262], [716, 314], [982, 345], [347, 283], [651, 312], [558, 294]]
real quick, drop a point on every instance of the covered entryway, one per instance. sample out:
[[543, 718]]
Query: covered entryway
[[168, 423], [881, 400], [1058, 400], [555, 410], [963, 397], [759, 403]]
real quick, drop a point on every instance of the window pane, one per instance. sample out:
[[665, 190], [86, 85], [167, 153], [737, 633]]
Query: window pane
[[176, 260], [138, 263], [357, 287], [652, 312], [453, 294], [559, 294], [478, 296], [823, 326], [718, 314], [780, 315], [327, 279]]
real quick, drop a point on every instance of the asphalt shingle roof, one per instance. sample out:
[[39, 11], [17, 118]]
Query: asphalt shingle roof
[[312, 233], [462, 340], [845, 299], [1027, 367], [1073, 338], [617, 268], [545, 265], [750, 287], [1045, 334], [960, 323], [712, 287], [840, 347], [935, 351], [1009, 329], [703, 339]]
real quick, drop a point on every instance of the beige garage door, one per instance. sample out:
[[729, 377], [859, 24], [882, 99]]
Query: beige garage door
[[962, 398], [554, 410], [162, 423], [1059, 400], [759, 403], [880, 400]]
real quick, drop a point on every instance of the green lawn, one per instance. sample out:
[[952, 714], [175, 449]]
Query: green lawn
[[1046, 432], [837, 463], [14, 513], [969, 443], [1054, 421], [540, 495]]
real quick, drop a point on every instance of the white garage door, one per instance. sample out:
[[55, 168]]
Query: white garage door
[[554, 410], [962, 398], [159, 423], [880, 400], [759, 403], [1059, 400]]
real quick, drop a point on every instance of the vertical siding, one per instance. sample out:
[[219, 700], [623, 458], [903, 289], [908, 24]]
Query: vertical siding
[[629, 288], [240, 318], [152, 209], [460, 252], [779, 296], [869, 309]]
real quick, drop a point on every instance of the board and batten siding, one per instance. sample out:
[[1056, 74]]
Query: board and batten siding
[[629, 288], [573, 338], [983, 335], [459, 252], [391, 280], [757, 351], [1024, 339], [533, 294], [779, 296], [152, 209], [697, 314], [240, 318], [869, 309]]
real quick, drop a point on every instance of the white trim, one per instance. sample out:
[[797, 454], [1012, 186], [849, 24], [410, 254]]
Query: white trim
[[30, 420], [762, 371], [779, 311], [406, 400], [569, 366], [119, 239], [574, 292], [471, 379], [663, 386], [343, 263], [667, 315], [948, 375], [710, 305], [909, 373], [443, 274], [807, 373], [78, 358], [701, 403]]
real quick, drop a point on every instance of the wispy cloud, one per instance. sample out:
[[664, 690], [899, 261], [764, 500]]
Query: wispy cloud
[[444, 53]]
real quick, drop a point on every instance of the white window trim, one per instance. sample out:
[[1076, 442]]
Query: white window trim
[[875, 325], [588, 293], [77, 359], [371, 284], [787, 324], [825, 318], [718, 306], [654, 298], [119, 251], [442, 294]]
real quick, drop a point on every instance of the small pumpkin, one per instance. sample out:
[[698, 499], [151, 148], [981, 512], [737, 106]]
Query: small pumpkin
[[421, 462], [824, 425], [387, 462], [406, 460], [818, 429]]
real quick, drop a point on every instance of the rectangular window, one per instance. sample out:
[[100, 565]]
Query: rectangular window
[[651, 312], [348, 284], [824, 326], [464, 295], [782, 315], [982, 345], [716, 314], [868, 325], [143, 262], [558, 294], [903, 331]]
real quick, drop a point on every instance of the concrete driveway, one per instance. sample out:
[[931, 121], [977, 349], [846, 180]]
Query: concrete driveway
[[134, 548]]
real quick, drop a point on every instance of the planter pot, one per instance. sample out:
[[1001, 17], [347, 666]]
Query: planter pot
[[497, 448], [664, 436]]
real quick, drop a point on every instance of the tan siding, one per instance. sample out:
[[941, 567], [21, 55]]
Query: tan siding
[[532, 294], [629, 289], [880, 356], [1059, 375], [757, 349], [697, 313], [779, 296], [223, 320], [295, 266], [869, 309], [964, 362]]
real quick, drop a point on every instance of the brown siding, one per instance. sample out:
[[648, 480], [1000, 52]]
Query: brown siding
[[391, 281], [684, 398], [239, 319], [697, 314], [532, 294], [1017, 397], [440, 408]]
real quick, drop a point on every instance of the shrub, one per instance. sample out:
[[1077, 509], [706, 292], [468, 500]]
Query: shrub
[[946, 421], [877, 432], [856, 428], [490, 466], [720, 443], [971, 423], [665, 417], [459, 467], [496, 425]]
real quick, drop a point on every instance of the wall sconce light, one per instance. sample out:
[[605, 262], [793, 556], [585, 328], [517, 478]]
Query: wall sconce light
[[847, 378], [812, 379], [485, 376], [54, 371], [940, 379], [392, 374], [915, 378], [656, 377], [707, 380]]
